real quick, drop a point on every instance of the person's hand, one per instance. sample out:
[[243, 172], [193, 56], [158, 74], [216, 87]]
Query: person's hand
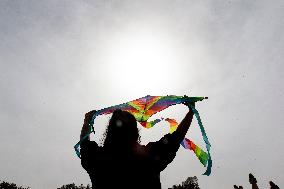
[[88, 116], [252, 179], [188, 103]]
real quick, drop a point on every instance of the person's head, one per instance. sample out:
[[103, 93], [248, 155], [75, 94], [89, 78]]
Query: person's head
[[122, 129]]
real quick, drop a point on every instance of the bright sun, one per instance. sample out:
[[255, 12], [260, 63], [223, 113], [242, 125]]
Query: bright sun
[[141, 58]]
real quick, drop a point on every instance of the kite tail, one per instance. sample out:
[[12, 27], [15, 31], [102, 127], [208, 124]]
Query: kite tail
[[188, 144], [201, 155], [208, 170], [149, 124], [173, 124]]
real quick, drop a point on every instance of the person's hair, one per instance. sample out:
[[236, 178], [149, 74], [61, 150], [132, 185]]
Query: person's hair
[[122, 129]]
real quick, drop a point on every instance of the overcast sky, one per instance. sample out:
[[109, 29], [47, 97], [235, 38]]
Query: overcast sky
[[60, 59]]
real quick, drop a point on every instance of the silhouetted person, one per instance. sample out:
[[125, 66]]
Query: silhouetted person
[[272, 185], [122, 162], [253, 182]]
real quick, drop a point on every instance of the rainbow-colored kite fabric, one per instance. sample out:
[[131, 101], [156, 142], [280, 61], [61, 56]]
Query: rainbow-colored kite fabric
[[143, 108]]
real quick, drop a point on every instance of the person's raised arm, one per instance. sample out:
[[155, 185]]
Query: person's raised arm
[[88, 149], [184, 126], [85, 129], [165, 149]]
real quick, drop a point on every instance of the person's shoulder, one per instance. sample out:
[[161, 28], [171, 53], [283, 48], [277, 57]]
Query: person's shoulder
[[163, 141]]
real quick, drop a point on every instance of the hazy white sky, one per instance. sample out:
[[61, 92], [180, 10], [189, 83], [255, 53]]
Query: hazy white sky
[[60, 59]]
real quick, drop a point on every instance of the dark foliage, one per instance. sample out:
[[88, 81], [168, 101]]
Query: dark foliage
[[73, 186], [190, 183], [7, 185]]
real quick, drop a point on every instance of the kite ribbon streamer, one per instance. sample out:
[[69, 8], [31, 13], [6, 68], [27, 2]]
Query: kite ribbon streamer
[[143, 108], [188, 144], [208, 145]]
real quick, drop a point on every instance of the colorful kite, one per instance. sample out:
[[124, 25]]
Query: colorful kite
[[143, 108]]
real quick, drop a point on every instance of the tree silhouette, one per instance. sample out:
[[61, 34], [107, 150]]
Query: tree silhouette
[[190, 183], [73, 186], [7, 185]]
